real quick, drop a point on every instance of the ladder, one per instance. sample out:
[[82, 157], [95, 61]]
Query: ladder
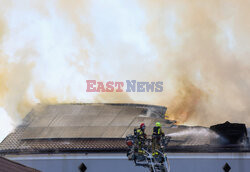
[[154, 165], [158, 163]]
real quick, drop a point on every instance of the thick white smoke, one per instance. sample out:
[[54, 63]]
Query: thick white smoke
[[6, 124], [199, 50]]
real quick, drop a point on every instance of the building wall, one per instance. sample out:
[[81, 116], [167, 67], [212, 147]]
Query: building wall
[[179, 162]]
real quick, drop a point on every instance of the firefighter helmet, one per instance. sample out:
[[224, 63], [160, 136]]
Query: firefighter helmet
[[157, 124], [142, 126]]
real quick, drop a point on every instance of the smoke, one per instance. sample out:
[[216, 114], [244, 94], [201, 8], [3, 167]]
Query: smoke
[[6, 124], [198, 49], [200, 136], [113, 97], [201, 47]]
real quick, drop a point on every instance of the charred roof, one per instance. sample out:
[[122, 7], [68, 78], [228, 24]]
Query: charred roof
[[102, 128]]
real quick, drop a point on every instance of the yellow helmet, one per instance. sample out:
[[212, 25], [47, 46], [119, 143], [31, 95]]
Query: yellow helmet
[[157, 124]]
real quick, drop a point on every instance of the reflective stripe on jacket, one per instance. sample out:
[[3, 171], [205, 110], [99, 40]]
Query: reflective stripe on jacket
[[140, 134], [157, 131]]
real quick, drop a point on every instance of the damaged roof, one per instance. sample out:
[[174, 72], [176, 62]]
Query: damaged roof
[[79, 127], [101, 128]]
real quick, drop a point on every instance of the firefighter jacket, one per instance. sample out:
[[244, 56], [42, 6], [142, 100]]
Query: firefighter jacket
[[140, 134], [157, 131]]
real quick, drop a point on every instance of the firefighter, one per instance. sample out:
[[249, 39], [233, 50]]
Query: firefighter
[[141, 137], [156, 138]]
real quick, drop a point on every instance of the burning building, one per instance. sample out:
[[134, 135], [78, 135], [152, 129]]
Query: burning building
[[76, 137]]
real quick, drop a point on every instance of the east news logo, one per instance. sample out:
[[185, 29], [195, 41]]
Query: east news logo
[[128, 86]]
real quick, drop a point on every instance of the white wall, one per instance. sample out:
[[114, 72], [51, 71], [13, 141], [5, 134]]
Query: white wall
[[180, 162]]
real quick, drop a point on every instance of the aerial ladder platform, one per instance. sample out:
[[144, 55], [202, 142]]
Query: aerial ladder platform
[[154, 163]]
